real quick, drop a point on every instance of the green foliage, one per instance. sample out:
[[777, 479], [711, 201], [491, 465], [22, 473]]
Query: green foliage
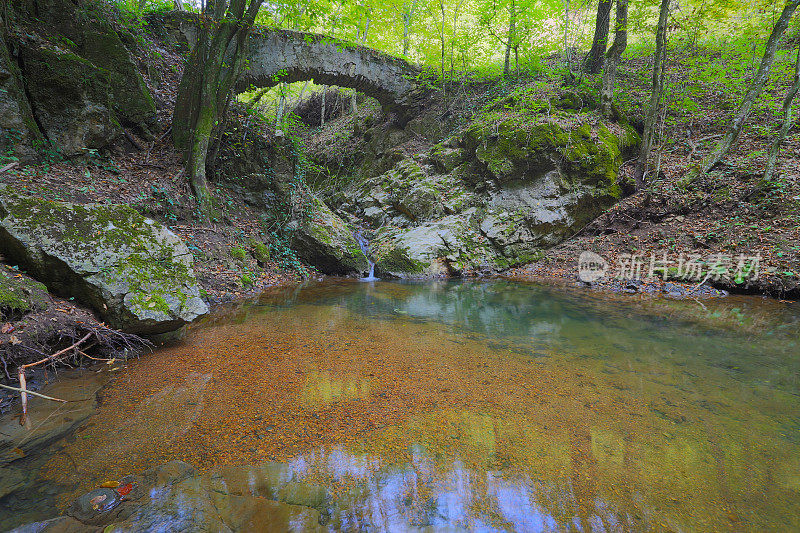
[[237, 253], [8, 139], [285, 256], [260, 251]]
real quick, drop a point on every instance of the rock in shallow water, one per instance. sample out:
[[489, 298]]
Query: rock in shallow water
[[174, 497], [133, 271]]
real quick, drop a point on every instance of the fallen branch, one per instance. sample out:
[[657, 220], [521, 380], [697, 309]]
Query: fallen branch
[[132, 140], [150, 165], [96, 358], [9, 166], [33, 393], [61, 352]]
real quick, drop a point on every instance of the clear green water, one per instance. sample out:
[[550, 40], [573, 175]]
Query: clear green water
[[478, 406]]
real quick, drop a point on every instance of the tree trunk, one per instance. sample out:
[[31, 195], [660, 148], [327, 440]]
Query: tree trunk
[[754, 91], [281, 105], [442, 37], [655, 95], [566, 35], [511, 38], [612, 59], [302, 91], [205, 89], [594, 59], [408, 17], [786, 125]]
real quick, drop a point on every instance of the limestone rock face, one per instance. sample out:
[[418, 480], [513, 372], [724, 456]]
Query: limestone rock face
[[133, 271], [324, 240], [18, 130], [131, 99], [492, 196], [71, 99], [71, 80]]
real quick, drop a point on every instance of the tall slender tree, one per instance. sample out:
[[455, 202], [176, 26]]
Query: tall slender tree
[[594, 59], [409, 10], [786, 123], [511, 38], [612, 58], [205, 89], [756, 87], [657, 89]]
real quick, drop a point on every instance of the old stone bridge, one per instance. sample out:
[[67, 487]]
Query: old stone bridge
[[276, 55]]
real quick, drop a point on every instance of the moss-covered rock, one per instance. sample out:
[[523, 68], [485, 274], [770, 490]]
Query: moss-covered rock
[[19, 295], [513, 182], [19, 133], [450, 245], [131, 99], [322, 239], [133, 271], [71, 99]]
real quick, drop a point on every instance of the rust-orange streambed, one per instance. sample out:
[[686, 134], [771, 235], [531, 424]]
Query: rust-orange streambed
[[489, 406]]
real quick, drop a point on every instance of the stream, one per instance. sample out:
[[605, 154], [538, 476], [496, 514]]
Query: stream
[[458, 405]]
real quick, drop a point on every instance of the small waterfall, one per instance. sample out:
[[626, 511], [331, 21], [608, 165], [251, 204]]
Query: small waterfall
[[364, 244]]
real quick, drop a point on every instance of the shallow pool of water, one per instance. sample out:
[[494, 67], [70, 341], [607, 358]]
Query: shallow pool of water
[[476, 405]]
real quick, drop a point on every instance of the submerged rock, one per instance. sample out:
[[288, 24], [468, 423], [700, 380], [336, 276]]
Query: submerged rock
[[133, 271], [174, 497]]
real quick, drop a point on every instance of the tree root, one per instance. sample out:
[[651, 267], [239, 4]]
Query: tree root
[[50, 358]]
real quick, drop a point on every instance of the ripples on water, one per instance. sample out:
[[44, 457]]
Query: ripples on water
[[476, 405]]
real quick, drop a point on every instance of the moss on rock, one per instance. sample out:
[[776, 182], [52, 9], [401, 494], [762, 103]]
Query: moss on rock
[[134, 272], [71, 99], [19, 295], [131, 100]]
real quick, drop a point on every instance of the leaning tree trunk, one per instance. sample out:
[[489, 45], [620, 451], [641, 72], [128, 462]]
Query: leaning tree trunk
[[739, 118], [788, 121], [612, 59], [655, 96], [594, 59], [205, 88]]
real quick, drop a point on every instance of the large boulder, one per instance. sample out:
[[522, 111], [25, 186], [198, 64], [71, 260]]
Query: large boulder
[[101, 45], [324, 240], [316, 234], [494, 195], [19, 133], [133, 271], [71, 99]]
